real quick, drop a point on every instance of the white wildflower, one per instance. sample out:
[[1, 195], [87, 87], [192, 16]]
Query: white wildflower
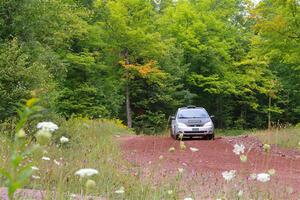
[[35, 177], [50, 126], [182, 145], [120, 191], [188, 198], [90, 185], [161, 157], [56, 162], [45, 158], [240, 193], [243, 158], [193, 149], [228, 175], [34, 168], [171, 149], [43, 136], [21, 133], [180, 136], [180, 170], [289, 190], [86, 172], [272, 172], [266, 147], [253, 176], [263, 177], [64, 140], [170, 192], [239, 149]]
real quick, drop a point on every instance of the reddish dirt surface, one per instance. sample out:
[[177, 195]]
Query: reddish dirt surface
[[203, 169]]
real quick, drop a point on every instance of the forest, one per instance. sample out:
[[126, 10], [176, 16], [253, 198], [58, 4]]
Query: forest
[[139, 60]]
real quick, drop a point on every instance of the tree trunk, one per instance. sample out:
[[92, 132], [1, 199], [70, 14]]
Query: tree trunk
[[128, 109], [269, 114], [127, 93]]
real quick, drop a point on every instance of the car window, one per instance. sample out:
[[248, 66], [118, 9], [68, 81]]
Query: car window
[[192, 113]]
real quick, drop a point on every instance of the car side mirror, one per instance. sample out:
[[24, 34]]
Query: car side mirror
[[212, 116], [172, 117]]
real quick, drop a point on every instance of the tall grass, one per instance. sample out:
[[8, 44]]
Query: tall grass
[[285, 137], [92, 145]]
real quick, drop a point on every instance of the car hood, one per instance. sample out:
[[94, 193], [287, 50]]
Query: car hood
[[194, 121]]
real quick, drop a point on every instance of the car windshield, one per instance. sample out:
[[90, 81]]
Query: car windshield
[[192, 113]]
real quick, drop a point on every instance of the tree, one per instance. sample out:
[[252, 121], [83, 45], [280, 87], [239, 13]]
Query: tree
[[277, 41]]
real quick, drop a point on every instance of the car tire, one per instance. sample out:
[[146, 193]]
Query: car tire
[[211, 136], [172, 135]]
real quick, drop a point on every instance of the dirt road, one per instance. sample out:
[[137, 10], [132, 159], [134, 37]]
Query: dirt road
[[204, 168]]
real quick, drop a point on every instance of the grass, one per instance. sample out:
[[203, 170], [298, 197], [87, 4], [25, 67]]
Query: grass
[[93, 145], [231, 132], [288, 137]]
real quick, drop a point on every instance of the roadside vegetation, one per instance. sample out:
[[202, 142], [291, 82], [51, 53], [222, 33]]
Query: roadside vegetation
[[86, 144], [284, 137], [93, 144]]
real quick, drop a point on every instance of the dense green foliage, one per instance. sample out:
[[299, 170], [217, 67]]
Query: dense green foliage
[[87, 57]]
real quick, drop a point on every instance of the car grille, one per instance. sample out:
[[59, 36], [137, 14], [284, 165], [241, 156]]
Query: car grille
[[195, 125], [195, 131]]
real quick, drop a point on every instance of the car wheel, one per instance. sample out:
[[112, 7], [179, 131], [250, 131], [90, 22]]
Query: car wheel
[[172, 135], [211, 136]]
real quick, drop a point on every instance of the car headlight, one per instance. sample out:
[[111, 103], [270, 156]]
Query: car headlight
[[208, 124], [181, 125]]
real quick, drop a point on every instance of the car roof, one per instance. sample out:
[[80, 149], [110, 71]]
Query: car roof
[[190, 107]]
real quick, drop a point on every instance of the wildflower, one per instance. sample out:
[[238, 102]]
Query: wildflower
[[238, 149], [120, 191], [49, 126], [56, 162], [263, 177], [90, 185], [180, 136], [243, 158], [45, 158], [289, 190], [35, 177], [161, 157], [271, 172], [193, 149], [266, 147], [180, 170], [34, 168], [86, 172], [182, 145], [228, 175], [240, 193], [171, 149], [21, 133], [170, 192], [31, 102], [64, 140], [188, 198], [253, 176], [43, 136]]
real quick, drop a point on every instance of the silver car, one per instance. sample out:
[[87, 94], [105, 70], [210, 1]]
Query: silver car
[[192, 121]]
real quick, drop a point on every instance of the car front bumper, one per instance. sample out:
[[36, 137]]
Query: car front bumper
[[195, 131]]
